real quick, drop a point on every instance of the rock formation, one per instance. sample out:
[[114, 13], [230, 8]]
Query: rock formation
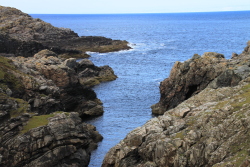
[[192, 76], [207, 127], [62, 139], [24, 36], [32, 91], [44, 95]]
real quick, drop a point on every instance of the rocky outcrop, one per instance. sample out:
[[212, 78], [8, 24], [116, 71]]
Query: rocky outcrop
[[45, 93], [210, 128], [188, 78], [49, 83], [192, 76], [60, 140], [23, 35], [32, 91]]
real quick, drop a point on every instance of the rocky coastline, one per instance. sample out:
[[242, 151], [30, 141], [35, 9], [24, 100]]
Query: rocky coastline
[[204, 118], [24, 36], [46, 93]]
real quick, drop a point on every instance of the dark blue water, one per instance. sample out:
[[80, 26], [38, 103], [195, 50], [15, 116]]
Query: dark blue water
[[158, 41]]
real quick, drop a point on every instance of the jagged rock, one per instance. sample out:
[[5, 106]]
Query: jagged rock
[[23, 35], [71, 63], [31, 86], [210, 128], [90, 108], [55, 84], [63, 140], [85, 64], [227, 78], [189, 78]]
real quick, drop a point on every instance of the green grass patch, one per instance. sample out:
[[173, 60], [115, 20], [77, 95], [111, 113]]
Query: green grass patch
[[237, 104], [7, 77], [40, 120], [36, 121], [180, 135], [6, 62]]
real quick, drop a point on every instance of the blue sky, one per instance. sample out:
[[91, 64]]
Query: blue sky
[[122, 6]]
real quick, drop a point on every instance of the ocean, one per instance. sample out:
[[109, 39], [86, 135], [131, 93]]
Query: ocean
[[158, 41]]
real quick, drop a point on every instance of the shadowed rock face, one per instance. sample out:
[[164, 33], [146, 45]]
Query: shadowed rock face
[[189, 78], [42, 104], [209, 128], [50, 84], [23, 35], [63, 141], [192, 76], [44, 96]]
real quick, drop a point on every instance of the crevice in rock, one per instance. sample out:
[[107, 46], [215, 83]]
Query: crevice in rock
[[191, 91]]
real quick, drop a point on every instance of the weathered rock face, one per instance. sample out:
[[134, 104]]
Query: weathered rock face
[[44, 97], [23, 27], [210, 128], [23, 35], [214, 132], [63, 140], [190, 77], [49, 83], [44, 84]]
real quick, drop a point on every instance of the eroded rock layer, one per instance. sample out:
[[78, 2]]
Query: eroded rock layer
[[45, 93], [209, 128], [190, 77], [23, 35], [63, 140]]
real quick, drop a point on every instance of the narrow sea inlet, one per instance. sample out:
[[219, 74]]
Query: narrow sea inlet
[[158, 40]]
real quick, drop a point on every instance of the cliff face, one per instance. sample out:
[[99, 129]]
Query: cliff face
[[44, 96], [192, 76], [43, 100], [62, 139], [23, 35], [210, 128]]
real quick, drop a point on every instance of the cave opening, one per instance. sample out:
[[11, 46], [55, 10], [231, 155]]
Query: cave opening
[[191, 91]]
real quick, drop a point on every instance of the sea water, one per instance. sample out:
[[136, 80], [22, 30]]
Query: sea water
[[158, 41]]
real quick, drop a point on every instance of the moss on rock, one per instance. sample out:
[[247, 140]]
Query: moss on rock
[[41, 120], [22, 107]]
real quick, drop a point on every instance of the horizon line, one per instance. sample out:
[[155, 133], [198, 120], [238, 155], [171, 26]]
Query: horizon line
[[140, 13]]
